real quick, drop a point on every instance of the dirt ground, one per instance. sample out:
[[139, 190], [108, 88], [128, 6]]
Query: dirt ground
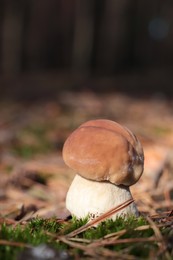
[[33, 177]]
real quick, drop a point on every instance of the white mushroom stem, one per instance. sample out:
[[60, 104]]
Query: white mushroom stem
[[92, 198]]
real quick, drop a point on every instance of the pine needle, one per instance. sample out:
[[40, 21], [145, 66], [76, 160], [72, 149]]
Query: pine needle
[[13, 243], [99, 219]]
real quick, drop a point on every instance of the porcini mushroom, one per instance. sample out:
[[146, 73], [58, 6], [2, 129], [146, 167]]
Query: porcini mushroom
[[108, 159]]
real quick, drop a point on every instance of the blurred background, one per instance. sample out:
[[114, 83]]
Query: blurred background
[[47, 46], [65, 62]]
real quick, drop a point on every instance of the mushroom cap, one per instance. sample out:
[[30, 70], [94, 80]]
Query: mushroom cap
[[103, 150]]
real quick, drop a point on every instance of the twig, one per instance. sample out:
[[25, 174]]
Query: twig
[[12, 243], [159, 238], [95, 251], [100, 218], [114, 241]]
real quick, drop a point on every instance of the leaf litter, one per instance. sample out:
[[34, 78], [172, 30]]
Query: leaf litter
[[34, 179]]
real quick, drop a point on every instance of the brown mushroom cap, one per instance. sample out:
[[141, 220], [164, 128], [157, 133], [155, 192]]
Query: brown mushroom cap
[[103, 150]]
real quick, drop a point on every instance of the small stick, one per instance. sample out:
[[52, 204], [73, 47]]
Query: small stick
[[100, 218]]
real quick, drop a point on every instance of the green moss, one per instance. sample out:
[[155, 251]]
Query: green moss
[[33, 234], [50, 225], [8, 169], [162, 130], [28, 150], [39, 231], [32, 140]]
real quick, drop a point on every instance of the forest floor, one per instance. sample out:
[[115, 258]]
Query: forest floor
[[34, 179]]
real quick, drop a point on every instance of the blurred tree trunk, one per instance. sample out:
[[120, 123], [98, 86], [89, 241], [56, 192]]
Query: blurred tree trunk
[[155, 33], [113, 39], [49, 36], [83, 34], [12, 33]]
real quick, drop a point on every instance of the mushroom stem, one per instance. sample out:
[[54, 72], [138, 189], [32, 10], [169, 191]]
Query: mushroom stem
[[91, 198]]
